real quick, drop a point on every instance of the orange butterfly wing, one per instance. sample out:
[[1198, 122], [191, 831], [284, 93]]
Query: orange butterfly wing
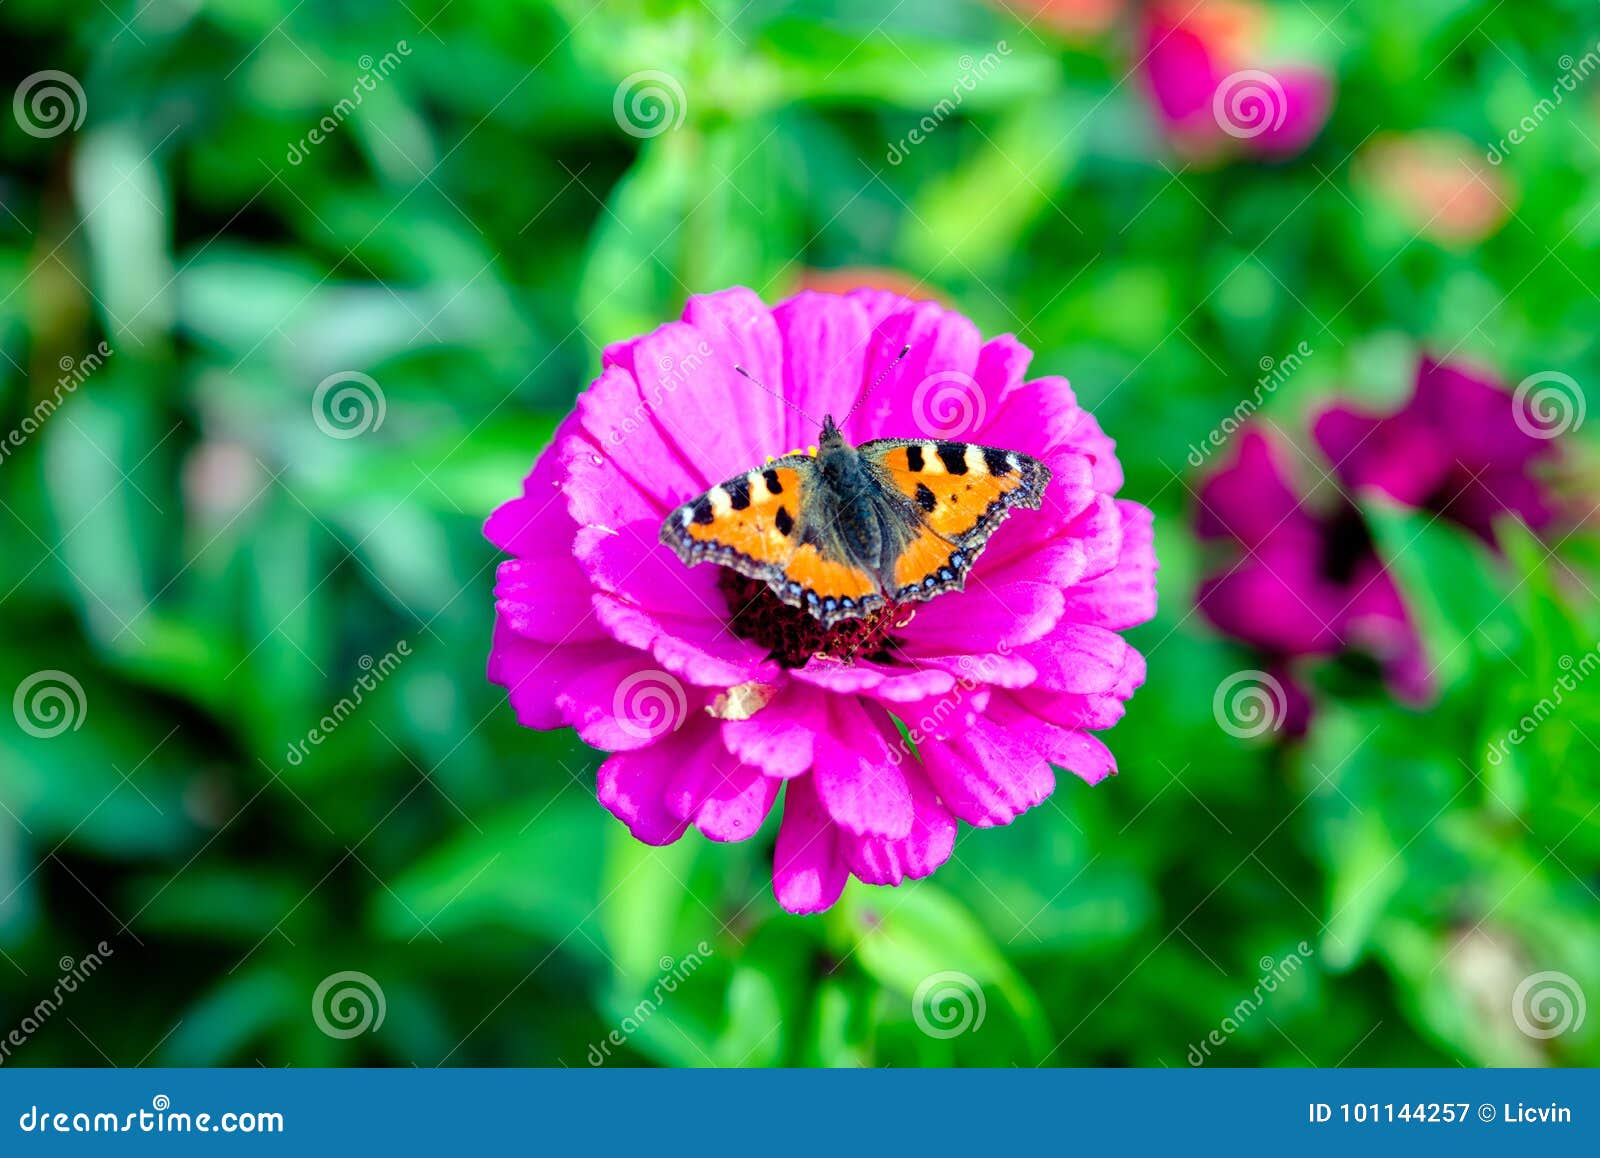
[[755, 524], [960, 493]]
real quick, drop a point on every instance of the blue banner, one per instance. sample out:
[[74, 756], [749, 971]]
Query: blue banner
[[701, 1113]]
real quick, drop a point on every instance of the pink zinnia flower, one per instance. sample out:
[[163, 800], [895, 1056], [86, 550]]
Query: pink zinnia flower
[[1204, 66], [1462, 446], [713, 696], [1306, 581]]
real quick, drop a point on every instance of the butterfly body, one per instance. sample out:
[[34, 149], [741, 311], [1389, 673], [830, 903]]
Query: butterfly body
[[855, 527]]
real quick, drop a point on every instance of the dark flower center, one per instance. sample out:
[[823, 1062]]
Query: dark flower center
[[792, 636], [1346, 542]]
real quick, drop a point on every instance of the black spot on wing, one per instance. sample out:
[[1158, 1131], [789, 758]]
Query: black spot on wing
[[738, 492], [784, 521], [774, 486], [996, 462], [954, 457], [926, 498], [702, 510], [914, 457]]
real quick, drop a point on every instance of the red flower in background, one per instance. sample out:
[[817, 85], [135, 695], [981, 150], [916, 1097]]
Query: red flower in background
[[1213, 89], [1308, 580], [1462, 446]]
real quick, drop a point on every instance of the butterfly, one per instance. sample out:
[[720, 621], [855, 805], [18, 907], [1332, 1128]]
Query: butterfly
[[844, 532]]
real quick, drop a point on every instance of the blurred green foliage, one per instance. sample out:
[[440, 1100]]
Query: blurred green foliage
[[212, 568]]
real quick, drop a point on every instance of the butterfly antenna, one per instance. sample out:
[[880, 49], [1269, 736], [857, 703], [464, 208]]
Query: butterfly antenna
[[887, 370], [737, 369]]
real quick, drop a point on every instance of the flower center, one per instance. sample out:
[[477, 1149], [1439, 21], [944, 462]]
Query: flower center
[[1346, 543], [793, 636]]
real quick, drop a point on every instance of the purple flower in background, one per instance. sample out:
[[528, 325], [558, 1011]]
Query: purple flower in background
[[1306, 582], [1202, 63], [713, 696], [1462, 446]]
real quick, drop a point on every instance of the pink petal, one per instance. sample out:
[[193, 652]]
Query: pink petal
[[1077, 658], [825, 339], [633, 785], [896, 685], [987, 778], [1125, 595], [546, 599], [618, 415], [1307, 101], [1013, 615], [779, 738], [725, 800], [941, 342], [880, 861], [856, 777], [808, 871]]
